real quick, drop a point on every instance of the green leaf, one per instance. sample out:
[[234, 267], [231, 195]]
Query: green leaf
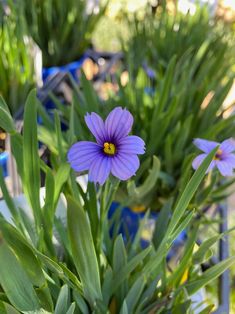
[[182, 307], [182, 225], [130, 266], [61, 271], [185, 262], [72, 122], [47, 121], [3, 105], [71, 308], [73, 278], [83, 251], [62, 303], [7, 198], [48, 137], [165, 91], [29, 226], [50, 264], [81, 303], [209, 275], [28, 260], [17, 151], [161, 224], [107, 285], [60, 178], [134, 294], [147, 294], [139, 193], [120, 261], [119, 254], [59, 136], [124, 309], [189, 192], [91, 206], [63, 234], [54, 184], [15, 282], [6, 121], [48, 207], [208, 309], [31, 161], [23, 251], [200, 254], [6, 308], [175, 226]]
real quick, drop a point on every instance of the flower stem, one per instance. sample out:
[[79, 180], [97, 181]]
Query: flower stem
[[106, 198]]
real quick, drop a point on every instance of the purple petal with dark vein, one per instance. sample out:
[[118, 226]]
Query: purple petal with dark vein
[[82, 154], [124, 166], [230, 160], [118, 124], [228, 146], [131, 145], [204, 145], [96, 126], [224, 168], [100, 169]]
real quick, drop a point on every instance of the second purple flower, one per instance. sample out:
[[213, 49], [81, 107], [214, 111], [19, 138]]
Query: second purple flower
[[224, 159], [114, 152]]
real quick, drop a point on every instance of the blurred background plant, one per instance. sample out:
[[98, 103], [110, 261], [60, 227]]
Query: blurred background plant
[[62, 29], [17, 70], [162, 33]]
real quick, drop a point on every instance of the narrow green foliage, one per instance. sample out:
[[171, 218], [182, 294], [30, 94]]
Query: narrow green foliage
[[83, 251], [15, 282], [31, 176]]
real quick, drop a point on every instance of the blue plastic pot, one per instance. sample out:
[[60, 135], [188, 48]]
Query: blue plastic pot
[[130, 222], [70, 67], [3, 163]]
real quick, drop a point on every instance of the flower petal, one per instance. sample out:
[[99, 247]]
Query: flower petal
[[198, 161], [228, 146], [131, 145], [205, 145], [100, 169], [224, 168], [82, 154], [230, 160], [118, 124], [124, 166], [96, 126]]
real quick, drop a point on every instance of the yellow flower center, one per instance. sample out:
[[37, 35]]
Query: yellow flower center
[[218, 154], [138, 208], [109, 148]]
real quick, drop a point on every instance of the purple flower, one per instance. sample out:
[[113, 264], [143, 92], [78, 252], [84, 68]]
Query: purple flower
[[114, 151], [150, 72], [224, 159]]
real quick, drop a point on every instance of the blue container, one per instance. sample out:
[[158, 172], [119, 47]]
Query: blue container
[[130, 223], [70, 67], [3, 163]]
